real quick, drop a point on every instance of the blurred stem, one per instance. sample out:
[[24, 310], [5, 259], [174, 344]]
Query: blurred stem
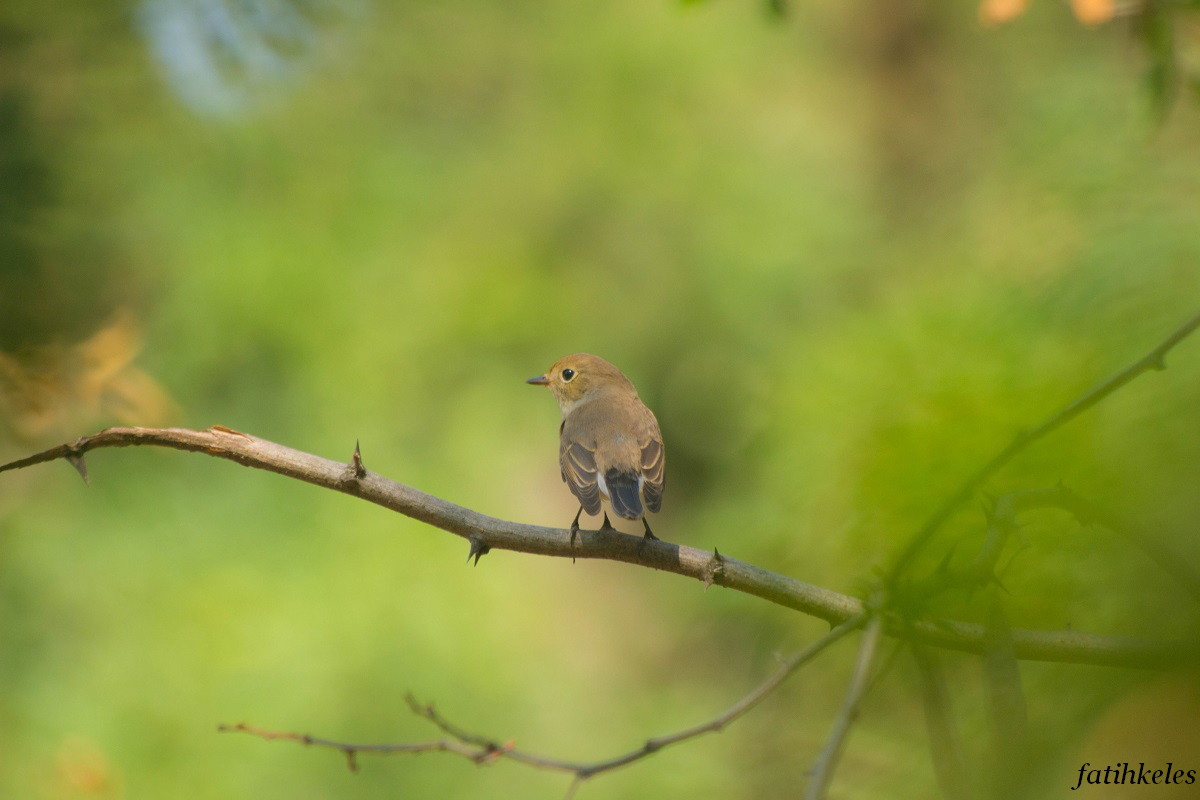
[[1157, 550], [945, 745], [1002, 519], [822, 771], [1010, 717], [1154, 360]]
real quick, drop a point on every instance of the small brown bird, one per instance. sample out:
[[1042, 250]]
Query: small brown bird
[[609, 446]]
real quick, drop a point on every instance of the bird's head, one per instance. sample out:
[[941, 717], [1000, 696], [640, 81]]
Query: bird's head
[[575, 377]]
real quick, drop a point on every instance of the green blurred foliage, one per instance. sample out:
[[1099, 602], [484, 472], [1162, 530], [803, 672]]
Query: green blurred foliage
[[844, 255]]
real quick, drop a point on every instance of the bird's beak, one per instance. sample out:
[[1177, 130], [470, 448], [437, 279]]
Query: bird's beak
[[540, 380]]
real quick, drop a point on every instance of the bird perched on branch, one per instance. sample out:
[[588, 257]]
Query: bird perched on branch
[[610, 447]]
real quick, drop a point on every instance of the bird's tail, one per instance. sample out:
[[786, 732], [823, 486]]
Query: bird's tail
[[624, 492]]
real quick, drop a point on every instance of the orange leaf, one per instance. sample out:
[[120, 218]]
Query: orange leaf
[[1093, 12], [997, 12]]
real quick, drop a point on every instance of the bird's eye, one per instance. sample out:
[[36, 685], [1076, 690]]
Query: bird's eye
[[567, 374]]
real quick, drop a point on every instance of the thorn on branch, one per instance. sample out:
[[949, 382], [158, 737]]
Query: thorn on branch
[[355, 471], [713, 568], [75, 458], [479, 548], [351, 759]]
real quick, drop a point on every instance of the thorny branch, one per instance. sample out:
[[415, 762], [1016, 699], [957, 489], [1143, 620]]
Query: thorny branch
[[486, 533]]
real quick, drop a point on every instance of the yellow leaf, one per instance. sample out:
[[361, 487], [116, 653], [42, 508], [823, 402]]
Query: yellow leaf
[[53, 390]]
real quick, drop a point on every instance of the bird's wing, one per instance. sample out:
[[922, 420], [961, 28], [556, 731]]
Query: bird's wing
[[653, 470], [579, 471]]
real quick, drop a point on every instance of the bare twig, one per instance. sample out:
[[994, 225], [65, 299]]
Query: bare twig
[[826, 763], [351, 750], [1154, 360], [790, 665], [484, 750], [486, 533], [478, 754]]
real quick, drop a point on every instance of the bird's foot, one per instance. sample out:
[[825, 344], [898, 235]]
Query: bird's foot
[[649, 534], [575, 526]]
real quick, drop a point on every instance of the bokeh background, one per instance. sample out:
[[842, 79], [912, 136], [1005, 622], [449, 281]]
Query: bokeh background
[[845, 252]]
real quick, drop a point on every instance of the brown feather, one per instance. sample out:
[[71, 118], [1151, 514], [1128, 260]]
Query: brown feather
[[579, 472], [653, 470]]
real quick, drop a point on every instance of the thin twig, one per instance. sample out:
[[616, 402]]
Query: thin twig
[[486, 533], [826, 763], [717, 723], [484, 750], [1154, 360], [351, 750]]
